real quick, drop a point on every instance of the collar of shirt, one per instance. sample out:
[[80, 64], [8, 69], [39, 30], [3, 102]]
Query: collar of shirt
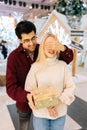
[[29, 54], [21, 49]]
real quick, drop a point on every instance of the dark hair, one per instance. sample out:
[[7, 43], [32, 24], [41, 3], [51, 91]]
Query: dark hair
[[4, 51], [24, 27]]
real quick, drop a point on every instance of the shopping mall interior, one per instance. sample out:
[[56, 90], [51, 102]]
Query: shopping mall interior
[[71, 30]]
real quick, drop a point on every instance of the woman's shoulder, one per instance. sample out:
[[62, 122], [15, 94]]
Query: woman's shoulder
[[35, 66], [61, 62]]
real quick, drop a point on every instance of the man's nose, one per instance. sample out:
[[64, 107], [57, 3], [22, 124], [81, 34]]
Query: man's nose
[[31, 43]]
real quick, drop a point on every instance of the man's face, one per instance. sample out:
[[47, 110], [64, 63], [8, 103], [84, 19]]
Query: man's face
[[29, 41]]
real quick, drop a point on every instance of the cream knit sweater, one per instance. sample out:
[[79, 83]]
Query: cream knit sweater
[[57, 74]]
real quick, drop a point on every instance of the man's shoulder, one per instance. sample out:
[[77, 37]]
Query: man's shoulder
[[14, 52]]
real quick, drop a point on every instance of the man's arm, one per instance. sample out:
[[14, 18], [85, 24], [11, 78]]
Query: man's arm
[[66, 54], [14, 90]]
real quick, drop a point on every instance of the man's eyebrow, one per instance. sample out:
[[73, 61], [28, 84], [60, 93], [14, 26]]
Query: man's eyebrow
[[29, 39]]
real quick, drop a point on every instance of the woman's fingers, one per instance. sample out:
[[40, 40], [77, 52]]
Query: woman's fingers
[[53, 111], [31, 101]]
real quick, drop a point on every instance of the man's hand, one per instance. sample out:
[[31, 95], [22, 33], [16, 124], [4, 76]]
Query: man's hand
[[30, 100]]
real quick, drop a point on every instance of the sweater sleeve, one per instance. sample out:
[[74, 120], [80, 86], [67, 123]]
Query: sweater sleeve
[[31, 82], [66, 55], [67, 95]]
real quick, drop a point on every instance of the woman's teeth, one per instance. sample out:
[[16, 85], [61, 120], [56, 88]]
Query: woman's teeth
[[51, 51]]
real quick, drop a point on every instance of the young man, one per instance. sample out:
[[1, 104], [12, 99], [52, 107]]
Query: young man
[[18, 65]]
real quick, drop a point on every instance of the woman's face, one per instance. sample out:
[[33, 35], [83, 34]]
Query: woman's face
[[50, 47]]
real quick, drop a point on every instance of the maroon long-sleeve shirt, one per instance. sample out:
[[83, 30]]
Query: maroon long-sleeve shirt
[[18, 65]]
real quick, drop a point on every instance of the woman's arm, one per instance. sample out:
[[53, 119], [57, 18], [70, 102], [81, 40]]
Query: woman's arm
[[67, 96], [30, 82]]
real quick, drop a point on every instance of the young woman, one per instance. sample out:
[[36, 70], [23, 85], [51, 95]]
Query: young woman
[[49, 71]]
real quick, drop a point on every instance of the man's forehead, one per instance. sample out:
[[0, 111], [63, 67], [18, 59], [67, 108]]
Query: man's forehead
[[29, 35]]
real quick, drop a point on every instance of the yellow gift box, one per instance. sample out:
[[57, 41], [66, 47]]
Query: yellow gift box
[[45, 97]]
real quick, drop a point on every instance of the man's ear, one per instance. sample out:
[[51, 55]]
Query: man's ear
[[20, 41]]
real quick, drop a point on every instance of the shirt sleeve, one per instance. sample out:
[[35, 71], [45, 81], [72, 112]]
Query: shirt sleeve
[[66, 55], [67, 95], [14, 90]]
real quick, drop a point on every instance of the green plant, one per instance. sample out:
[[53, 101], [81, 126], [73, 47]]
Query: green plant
[[71, 7]]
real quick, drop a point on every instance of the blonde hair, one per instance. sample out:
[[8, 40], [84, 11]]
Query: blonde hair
[[41, 56]]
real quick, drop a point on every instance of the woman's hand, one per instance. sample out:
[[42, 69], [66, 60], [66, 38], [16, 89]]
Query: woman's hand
[[30, 101], [53, 111], [61, 47]]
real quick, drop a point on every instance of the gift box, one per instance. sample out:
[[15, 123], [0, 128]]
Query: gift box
[[45, 97]]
